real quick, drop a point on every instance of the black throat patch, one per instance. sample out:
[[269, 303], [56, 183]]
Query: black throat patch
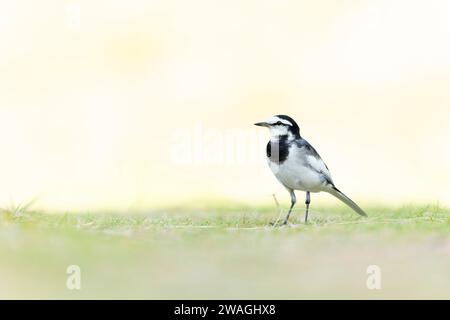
[[278, 151]]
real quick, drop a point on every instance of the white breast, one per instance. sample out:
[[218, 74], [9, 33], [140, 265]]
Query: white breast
[[300, 171]]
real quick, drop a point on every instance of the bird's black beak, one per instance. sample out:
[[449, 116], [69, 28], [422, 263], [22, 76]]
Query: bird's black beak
[[262, 124]]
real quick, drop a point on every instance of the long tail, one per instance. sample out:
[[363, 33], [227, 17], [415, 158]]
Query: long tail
[[338, 194]]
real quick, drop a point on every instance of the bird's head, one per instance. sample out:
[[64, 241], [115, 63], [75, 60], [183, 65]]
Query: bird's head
[[281, 125]]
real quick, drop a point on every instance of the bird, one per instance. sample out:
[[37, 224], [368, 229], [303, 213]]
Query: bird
[[297, 165]]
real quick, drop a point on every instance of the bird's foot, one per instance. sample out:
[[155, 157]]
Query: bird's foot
[[283, 223]]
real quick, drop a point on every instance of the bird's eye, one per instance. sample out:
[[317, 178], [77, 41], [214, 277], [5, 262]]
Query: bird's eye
[[278, 123]]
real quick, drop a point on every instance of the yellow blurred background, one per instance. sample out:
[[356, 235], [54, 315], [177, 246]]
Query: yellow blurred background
[[127, 105]]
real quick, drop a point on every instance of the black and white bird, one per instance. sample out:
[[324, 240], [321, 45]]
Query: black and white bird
[[297, 165]]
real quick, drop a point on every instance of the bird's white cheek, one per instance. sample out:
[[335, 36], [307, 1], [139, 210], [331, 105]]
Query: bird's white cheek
[[278, 131]]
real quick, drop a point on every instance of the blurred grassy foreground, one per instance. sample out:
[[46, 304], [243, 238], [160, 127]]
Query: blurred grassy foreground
[[229, 252]]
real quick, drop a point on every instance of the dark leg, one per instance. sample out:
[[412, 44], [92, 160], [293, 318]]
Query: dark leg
[[307, 202], [293, 201]]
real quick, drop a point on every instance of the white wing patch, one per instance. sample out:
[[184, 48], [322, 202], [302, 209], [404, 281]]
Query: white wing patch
[[318, 165]]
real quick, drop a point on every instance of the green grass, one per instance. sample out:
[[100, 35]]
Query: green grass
[[226, 252]]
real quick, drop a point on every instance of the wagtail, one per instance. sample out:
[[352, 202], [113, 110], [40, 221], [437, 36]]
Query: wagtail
[[297, 165]]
